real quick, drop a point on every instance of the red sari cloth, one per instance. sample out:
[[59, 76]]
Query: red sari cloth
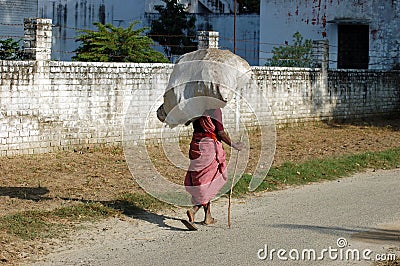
[[207, 172]]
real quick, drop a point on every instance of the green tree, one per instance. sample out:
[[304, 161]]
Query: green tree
[[297, 55], [11, 50], [116, 44], [249, 6], [175, 29]]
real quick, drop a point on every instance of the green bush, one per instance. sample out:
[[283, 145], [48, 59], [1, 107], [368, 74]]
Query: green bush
[[116, 44], [297, 55], [11, 50]]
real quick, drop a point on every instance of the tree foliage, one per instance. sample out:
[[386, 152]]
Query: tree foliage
[[297, 55], [175, 29], [116, 44], [11, 50], [249, 6]]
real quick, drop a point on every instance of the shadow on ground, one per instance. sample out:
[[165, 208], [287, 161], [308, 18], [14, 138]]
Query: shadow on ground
[[127, 208], [133, 211], [24, 193], [390, 122], [367, 234]]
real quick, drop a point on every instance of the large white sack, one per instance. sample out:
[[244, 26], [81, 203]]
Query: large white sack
[[201, 80]]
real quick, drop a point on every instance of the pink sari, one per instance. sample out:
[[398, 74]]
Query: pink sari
[[207, 172]]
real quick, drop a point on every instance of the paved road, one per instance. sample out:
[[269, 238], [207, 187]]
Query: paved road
[[363, 209]]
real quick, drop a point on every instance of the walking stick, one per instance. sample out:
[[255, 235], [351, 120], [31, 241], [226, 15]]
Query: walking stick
[[230, 193]]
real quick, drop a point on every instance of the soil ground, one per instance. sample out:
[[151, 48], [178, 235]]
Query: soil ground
[[48, 181]]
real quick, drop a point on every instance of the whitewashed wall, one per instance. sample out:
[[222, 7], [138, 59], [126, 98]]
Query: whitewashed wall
[[47, 105]]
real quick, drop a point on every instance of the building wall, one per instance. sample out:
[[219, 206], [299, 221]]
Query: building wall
[[315, 20], [195, 6], [12, 14], [48, 105], [71, 16], [247, 33]]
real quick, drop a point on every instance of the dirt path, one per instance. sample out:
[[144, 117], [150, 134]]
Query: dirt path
[[363, 210]]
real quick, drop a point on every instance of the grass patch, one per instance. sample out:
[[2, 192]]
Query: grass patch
[[30, 225], [36, 224], [132, 202], [291, 173], [83, 212]]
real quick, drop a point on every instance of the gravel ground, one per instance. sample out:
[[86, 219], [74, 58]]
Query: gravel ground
[[363, 210]]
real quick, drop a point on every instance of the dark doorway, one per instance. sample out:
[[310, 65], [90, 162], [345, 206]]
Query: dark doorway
[[353, 50]]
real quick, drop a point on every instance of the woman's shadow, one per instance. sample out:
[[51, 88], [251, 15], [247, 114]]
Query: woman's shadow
[[124, 207], [131, 210], [25, 193]]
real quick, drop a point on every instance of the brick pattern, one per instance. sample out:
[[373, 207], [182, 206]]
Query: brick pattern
[[47, 105], [37, 39]]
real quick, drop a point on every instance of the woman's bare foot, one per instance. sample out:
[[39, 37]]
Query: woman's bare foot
[[191, 212], [190, 215], [209, 221], [207, 215]]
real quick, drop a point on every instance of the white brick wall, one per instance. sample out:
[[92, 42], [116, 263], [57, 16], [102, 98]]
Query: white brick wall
[[46, 106]]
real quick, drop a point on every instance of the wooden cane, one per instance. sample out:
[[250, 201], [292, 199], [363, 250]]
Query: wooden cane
[[230, 193]]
